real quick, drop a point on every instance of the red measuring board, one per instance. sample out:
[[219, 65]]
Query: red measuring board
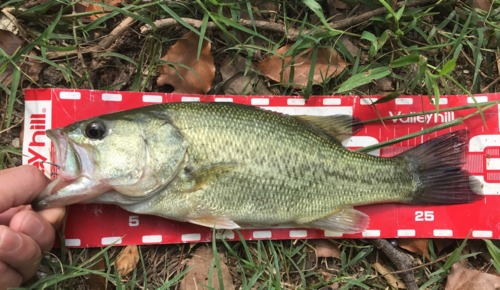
[[95, 225]]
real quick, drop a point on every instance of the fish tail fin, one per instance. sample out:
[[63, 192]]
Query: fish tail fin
[[437, 165]]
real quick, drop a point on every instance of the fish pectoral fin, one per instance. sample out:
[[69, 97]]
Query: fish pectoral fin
[[207, 175], [339, 127], [346, 220], [215, 222]]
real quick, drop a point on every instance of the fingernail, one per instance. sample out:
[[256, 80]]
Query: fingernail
[[10, 241], [31, 226]]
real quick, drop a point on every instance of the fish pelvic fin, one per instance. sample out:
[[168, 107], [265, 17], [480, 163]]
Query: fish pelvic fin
[[215, 222], [346, 220], [338, 127], [437, 168]]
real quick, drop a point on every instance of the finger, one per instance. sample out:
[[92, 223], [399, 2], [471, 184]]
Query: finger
[[9, 278], [20, 252], [54, 216], [20, 185], [34, 226], [5, 217]]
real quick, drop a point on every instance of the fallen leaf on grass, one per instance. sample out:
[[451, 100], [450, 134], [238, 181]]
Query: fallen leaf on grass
[[417, 246], [463, 278], [96, 6], [328, 277], [395, 282], [339, 4], [8, 21], [185, 72], [9, 43], [279, 67], [351, 48], [265, 10], [484, 5], [95, 281], [35, 67], [198, 275], [336, 10], [236, 82], [127, 260], [231, 66], [325, 249], [385, 84]]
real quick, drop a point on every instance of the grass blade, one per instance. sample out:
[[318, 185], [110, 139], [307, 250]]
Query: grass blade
[[364, 78], [495, 254]]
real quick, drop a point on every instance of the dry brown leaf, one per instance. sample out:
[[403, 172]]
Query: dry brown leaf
[[394, 281], [200, 264], [127, 260], [9, 43], [384, 85], [235, 82], [417, 246], [35, 67], [325, 249], [327, 277], [186, 73], [336, 10], [95, 6], [231, 66], [265, 8], [340, 4], [95, 281], [463, 278], [8, 21], [484, 5], [278, 68], [351, 48]]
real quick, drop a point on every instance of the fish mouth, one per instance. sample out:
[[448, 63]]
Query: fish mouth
[[72, 163], [65, 160]]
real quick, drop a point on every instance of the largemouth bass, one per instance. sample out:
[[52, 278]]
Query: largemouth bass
[[228, 166]]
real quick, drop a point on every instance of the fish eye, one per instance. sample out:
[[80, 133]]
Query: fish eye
[[95, 130]]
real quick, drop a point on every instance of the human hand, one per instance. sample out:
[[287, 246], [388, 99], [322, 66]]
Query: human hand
[[24, 234]]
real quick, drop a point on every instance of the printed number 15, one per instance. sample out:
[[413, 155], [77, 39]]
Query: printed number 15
[[424, 216]]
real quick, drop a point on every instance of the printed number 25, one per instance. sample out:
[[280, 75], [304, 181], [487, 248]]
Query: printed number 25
[[424, 216]]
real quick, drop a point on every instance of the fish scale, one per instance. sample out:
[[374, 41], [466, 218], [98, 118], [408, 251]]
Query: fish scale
[[334, 180]]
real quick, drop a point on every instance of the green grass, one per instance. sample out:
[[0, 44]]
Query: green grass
[[432, 49], [253, 264]]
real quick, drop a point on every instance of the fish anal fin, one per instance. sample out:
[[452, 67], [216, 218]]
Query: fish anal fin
[[215, 222], [339, 127], [346, 220]]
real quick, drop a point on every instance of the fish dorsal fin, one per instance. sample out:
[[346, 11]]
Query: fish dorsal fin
[[215, 222], [345, 220], [339, 127]]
